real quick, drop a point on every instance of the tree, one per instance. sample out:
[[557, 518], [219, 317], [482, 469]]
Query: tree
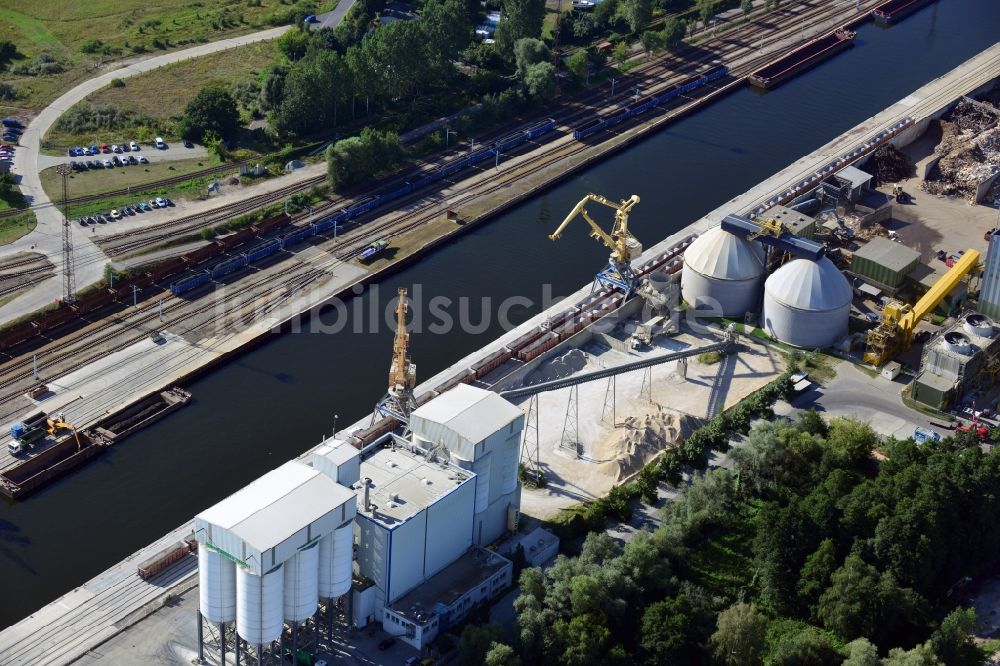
[[802, 645], [850, 605], [922, 655], [747, 7], [529, 51], [578, 64], [673, 33], [294, 44], [501, 654], [952, 642], [476, 641], [637, 13], [861, 653], [816, 572], [706, 10], [652, 41], [272, 90], [447, 28], [351, 161], [212, 109], [620, 53], [8, 51], [519, 19], [540, 81], [739, 639]]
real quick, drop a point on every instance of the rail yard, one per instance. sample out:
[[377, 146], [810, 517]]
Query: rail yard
[[88, 374]]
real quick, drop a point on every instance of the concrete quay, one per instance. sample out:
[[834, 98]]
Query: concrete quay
[[74, 625]]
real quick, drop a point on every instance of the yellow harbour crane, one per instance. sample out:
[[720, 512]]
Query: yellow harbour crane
[[623, 245], [895, 332], [399, 401]]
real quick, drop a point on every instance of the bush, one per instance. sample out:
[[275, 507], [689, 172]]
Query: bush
[[117, 83], [43, 63], [8, 92], [86, 118]]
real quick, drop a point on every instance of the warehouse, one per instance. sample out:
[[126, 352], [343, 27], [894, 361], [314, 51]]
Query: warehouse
[[884, 263]]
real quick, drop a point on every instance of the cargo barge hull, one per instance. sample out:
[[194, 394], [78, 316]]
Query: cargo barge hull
[[894, 10], [801, 59]]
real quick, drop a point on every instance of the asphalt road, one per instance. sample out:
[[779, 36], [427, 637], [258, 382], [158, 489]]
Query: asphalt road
[[333, 18]]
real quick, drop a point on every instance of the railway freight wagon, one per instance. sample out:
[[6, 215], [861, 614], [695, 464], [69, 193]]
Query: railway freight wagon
[[638, 107]]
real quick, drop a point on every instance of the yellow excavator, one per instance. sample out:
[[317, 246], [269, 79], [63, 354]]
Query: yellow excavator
[[894, 333], [623, 245], [57, 424]]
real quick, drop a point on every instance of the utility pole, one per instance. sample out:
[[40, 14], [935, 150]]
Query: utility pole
[[472, 146], [69, 280], [447, 136], [612, 87], [135, 296]]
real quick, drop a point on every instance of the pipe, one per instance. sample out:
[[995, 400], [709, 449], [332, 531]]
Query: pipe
[[222, 642], [368, 502], [201, 639]]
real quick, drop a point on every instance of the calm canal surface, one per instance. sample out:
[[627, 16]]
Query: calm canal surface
[[274, 403]]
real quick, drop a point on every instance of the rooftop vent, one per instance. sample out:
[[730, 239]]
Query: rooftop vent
[[957, 342], [426, 482], [980, 325]]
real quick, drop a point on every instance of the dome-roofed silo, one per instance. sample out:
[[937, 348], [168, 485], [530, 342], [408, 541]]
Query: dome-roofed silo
[[807, 303], [723, 270]]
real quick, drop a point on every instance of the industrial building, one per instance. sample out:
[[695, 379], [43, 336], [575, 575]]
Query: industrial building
[[989, 290], [399, 525], [884, 263], [807, 303], [796, 222], [962, 357]]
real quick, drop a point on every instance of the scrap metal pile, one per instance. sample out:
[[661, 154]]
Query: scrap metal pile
[[969, 150], [891, 166]]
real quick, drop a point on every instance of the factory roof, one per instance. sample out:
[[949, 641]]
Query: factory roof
[[445, 587], [810, 285], [471, 413], [796, 222], [884, 252], [720, 254], [855, 176], [272, 509], [404, 484]]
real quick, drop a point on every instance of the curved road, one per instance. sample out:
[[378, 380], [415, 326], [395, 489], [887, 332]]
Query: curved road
[[47, 236]]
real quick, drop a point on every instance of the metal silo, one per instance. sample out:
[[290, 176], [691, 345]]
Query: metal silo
[[302, 584], [722, 270], [216, 585], [807, 303], [336, 552], [259, 605]]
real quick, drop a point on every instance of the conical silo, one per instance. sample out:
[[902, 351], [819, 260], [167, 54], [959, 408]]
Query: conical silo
[[259, 605], [723, 272], [302, 584], [807, 303], [336, 552]]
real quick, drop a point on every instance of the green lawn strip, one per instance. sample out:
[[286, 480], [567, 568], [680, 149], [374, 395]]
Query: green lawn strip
[[97, 181], [12, 228]]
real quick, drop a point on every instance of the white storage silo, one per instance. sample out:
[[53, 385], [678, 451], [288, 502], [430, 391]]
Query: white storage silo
[[723, 271], [807, 303], [302, 584], [259, 606], [482, 469], [216, 586], [336, 552]]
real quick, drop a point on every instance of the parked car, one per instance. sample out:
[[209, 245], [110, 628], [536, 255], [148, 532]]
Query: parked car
[[129, 210], [94, 150], [79, 151], [169, 202], [161, 202], [82, 221], [143, 160], [160, 144], [107, 164], [126, 147], [105, 148], [311, 19], [92, 219], [153, 204], [116, 161], [11, 122], [115, 148], [132, 160], [386, 643], [135, 207], [70, 152], [133, 146], [116, 214], [188, 144], [143, 207]]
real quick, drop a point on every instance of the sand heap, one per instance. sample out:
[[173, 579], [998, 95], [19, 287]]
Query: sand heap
[[633, 445], [567, 364]]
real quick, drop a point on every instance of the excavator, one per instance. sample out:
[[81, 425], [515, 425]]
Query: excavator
[[623, 245], [899, 320], [24, 436], [57, 424]]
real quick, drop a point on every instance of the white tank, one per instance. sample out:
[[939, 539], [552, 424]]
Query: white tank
[[216, 585], [807, 303], [980, 325], [336, 552], [723, 271], [508, 470], [482, 469], [302, 584], [259, 606]]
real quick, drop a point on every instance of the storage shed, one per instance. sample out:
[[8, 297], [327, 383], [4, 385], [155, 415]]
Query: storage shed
[[885, 262], [798, 223]]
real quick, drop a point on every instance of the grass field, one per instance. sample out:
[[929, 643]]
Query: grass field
[[82, 35], [104, 180], [12, 228], [163, 93]]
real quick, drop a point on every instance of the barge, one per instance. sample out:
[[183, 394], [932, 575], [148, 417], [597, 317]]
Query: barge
[[50, 459], [802, 58], [893, 10]]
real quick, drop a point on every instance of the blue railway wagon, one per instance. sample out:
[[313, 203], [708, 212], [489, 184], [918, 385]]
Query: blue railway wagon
[[363, 206], [428, 178], [297, 236], [454, 166], [189, 283], [643, 105], [229, 266], [511, 141], [391, 195], [480, 155], [589, 127], [616, 116], [540, 128], [265, 250]]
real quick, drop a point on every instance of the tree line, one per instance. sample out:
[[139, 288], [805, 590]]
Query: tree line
[[808, 552]]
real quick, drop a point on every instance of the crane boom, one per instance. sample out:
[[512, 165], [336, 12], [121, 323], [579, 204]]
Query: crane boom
[[617, 240]]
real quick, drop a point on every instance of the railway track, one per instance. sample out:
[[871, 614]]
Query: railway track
[[120, 332]]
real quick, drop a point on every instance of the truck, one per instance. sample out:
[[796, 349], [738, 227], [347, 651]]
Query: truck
[[373, 250], [922, 435]]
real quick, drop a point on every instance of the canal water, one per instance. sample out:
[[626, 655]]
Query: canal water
[[273, 403]]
